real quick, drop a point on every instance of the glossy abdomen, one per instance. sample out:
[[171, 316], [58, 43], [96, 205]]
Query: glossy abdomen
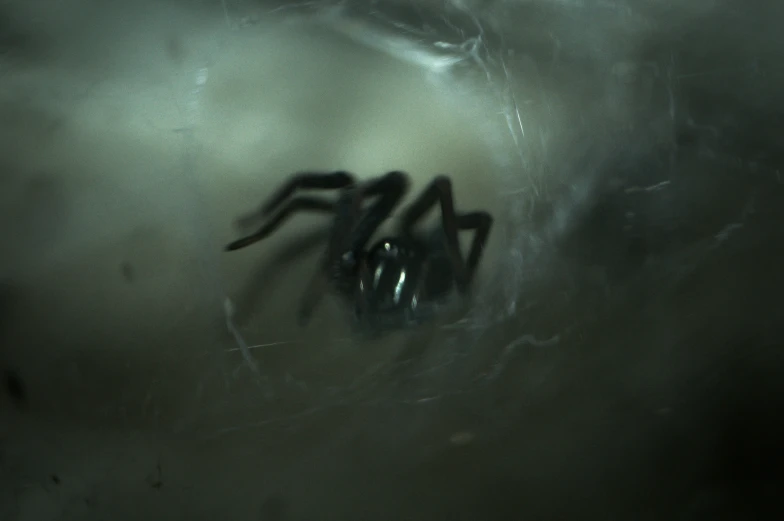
[[404, 281]]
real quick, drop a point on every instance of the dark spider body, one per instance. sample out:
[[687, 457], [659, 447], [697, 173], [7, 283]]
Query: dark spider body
[[401, 280], [406, 281]]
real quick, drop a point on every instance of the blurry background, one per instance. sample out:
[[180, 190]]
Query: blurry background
[[620, 358]]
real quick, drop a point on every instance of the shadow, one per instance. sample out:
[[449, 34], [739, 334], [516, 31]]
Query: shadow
[[12, 38], [265, 276], [16, 389], [6, 296], [13, 385]]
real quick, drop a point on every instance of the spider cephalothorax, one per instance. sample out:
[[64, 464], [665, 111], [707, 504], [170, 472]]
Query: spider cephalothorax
[[399, 279]]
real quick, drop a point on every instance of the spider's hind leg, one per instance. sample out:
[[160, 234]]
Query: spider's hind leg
[[481, 223], [439, 191]]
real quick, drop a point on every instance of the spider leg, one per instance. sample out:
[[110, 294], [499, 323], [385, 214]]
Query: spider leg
[[352, 229], [481, 222], [300, 181], [440, 191], [298, 204], [388, 190]]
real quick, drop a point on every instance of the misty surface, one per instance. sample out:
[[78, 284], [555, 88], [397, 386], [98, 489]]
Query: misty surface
[[619, 356]]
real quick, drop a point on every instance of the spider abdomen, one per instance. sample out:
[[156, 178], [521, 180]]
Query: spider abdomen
[[404, 281], [394, 268]]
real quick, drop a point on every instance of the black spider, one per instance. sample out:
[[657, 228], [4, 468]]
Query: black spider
[[400, 280]]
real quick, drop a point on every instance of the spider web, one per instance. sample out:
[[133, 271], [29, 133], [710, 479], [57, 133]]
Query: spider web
[[501, 98], [449, 51], [536, 133]]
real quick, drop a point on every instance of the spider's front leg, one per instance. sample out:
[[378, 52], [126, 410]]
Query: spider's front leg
[[303, 181], [357, 226], [440, 191], [354, 227]]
